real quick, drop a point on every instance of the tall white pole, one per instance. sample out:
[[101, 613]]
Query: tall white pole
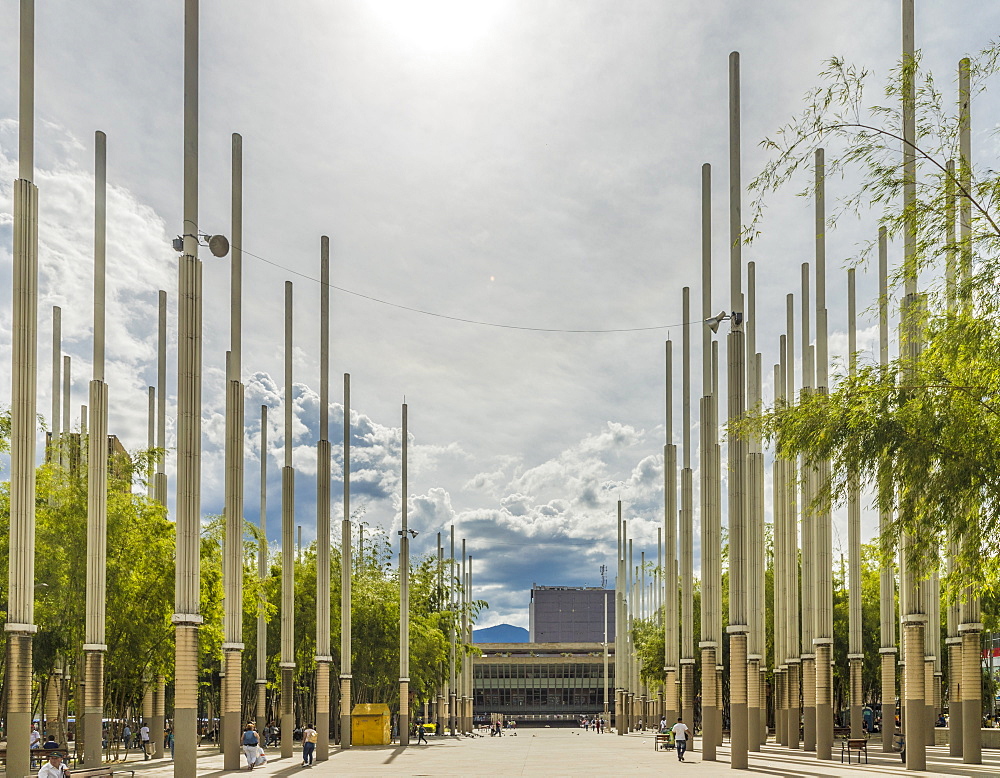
[[55, 421], [823, 539], [232, 647], [97, 485], [738, 622], [971, 626], [711, 520], [20, 625], [156, 726], [855, 648], [686, 523], [671, 653], [261, 575], [323, 471], [187, 584], [287, 550], [453, 635], [808, 548], [345, 579], [404, 603], [912, 594], [796, 671]]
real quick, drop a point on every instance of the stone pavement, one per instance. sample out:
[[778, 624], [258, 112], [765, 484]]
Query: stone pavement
[[552, 753]]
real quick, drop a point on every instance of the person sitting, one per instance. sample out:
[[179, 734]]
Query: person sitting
[[50, 743], [55, 767]]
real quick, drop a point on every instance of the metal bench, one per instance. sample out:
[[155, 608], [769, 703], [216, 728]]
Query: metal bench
[[849, 744]]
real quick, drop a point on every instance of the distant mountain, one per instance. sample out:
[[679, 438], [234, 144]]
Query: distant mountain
[[500, 633]]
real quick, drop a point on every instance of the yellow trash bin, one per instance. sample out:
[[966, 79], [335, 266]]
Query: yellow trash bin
[[370, 724]]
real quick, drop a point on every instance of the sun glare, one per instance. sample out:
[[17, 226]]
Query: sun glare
[[437, 25]]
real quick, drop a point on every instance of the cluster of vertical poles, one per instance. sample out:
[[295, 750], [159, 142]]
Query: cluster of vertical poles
[[802, 691]]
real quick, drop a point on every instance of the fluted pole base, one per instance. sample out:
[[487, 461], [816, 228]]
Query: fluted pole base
[[404, 713], [186, 700], [824, 701], [888, 699], [19, 702], [670, 700], [687, 695], [159, 716], [972, 701], [232, 690], [916, 707], [955, 707], [739, 758], [753, 705], [857, 707], [287, 722], [322, 724], [809, 703], [794, 714], [709, 701], [345, 712], [93, 709]]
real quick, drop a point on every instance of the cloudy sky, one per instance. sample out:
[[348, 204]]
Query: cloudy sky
[[529, 164]]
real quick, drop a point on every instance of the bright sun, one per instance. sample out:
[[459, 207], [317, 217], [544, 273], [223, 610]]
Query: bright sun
[[438, 25]]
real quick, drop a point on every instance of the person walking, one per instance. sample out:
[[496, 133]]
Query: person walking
[[421, 737], [144, 739], [309, 736], [680, 730], [250, 741]]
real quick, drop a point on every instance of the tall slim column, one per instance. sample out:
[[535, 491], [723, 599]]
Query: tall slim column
[[261, 575], [621, 629], [757, 644], [287, 550], [453, 635], [971, 627], [887, 581], [778, 487], [711, 522], [795, 625], [156, 726], [808, 549], [738, 621], [323, 469], [55, 421], [855, 649], [20, 626], [97, 486], [232, 646], [187, 584], [823, 538], [686, 527], [404, 602], [345, 579], [671, 654]]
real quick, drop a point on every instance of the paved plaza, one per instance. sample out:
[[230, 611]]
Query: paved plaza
[[568, 752]]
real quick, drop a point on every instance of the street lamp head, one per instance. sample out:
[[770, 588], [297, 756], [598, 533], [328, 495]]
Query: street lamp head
[[714, 321], [217, 244]]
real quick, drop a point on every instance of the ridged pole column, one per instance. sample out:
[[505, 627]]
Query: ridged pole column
[[97, 485], [452, 655], [913, 598], [756, 642], [970, 627], [470, 658], [855, 648], [287, 659], [156, 726], [345, 579], [823, 537], [232, 568], [808, 519], [621, 628], [187, 584], [404, 601], [20, 626], [793, 615], [464, 593], [262, 718], [710, 520], [738, 621], [686, 528], [442, 707], [323, 471], [671, 653], [780, 585], [887, 579], [56, 420]]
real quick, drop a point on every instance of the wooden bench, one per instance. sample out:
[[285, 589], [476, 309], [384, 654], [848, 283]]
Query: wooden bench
[[97, 772], [662, 740], [38, 755], [849, 744]]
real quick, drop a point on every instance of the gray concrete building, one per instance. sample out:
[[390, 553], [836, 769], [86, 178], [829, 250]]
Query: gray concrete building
[[571, 614]]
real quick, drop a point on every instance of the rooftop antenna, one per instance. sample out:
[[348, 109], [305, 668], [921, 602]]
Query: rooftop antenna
[[604, 576]]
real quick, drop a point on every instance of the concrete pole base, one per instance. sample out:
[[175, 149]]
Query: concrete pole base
[[186, 700], [913, 655], [709, 698], [287, 723], [93, 711], [888, 708], [404, 713], [738, 712], [824, 701], [156, 726], [232, 688], [345, 713], [794, 713], [972, 702], [322, 724]]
